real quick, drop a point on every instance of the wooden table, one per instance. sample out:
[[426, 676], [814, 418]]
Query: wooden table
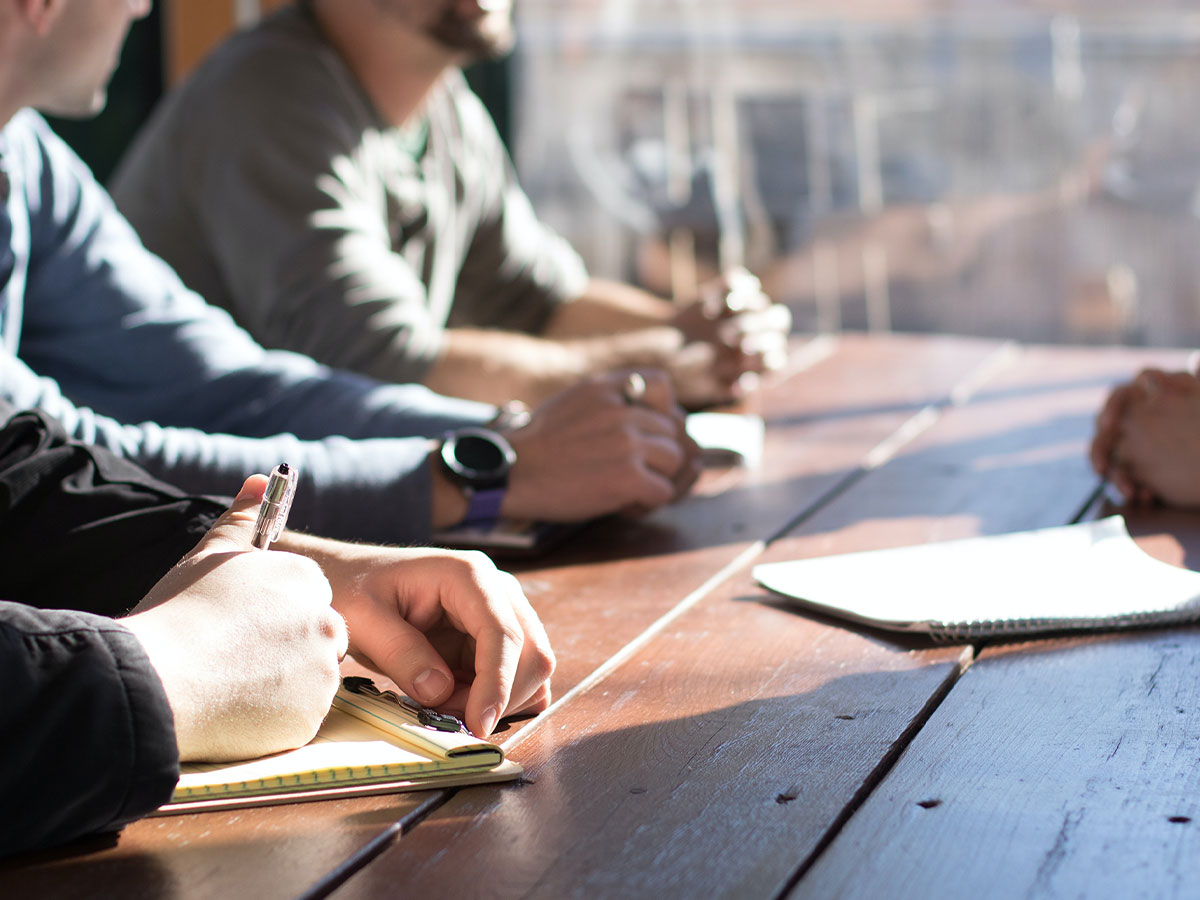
[[707, 740]]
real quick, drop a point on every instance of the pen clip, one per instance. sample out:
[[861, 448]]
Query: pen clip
[[429, 718]]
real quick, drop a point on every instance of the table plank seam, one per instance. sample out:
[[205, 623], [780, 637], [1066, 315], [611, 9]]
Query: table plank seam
[[880, 772], [358, 860]]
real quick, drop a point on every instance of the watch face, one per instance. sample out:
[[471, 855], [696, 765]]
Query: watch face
[[479, 457]]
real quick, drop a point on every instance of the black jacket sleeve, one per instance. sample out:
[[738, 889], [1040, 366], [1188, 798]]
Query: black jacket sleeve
[[87, 741], [83, 529], [87, 738]]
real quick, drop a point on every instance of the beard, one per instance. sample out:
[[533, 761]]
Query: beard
[[482, 38]]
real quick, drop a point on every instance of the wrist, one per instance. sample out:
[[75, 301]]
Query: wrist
[[477, 462], [448, 504], [652, 347]]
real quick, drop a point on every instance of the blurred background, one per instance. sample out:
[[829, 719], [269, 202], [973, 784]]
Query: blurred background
[[1005, 168]]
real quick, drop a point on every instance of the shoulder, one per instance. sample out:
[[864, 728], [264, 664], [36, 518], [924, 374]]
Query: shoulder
[[28, 139], [43, 161], [281, 75]]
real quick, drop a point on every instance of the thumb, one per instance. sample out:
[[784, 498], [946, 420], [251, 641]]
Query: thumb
[[234, 530], [404, 654]]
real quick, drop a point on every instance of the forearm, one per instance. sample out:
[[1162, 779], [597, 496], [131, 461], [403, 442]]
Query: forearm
[[499, 366], [377, 489], [608, 307]]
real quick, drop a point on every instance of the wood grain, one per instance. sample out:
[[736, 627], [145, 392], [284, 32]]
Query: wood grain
[[1057, 768], [1054, 768], [723, 753], [712, 740]]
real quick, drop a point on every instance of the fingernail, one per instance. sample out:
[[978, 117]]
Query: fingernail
[[430, 686], [490, 715]]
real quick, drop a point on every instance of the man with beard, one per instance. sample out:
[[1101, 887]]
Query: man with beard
[[329, 179]]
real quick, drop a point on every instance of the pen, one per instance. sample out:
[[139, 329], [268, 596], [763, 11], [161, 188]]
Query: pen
[[276, 502]]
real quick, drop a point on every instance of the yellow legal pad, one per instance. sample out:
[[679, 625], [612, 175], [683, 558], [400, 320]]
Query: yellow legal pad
[[367, 744]]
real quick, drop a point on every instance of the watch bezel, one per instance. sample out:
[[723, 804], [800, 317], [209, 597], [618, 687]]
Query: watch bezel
[[496, 476]]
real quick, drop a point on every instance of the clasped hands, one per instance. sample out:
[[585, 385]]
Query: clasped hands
[[732, 333]]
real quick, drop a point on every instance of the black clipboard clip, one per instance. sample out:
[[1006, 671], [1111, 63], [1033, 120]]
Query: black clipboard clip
[[430, 718]]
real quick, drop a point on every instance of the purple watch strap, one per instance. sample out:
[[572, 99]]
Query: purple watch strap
[[483, 507]]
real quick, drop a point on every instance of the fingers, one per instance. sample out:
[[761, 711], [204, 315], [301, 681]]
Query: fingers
[[753, 341], [775, 320], [643, 388], [667, 459], [234, 530], [745, 335], [513, 661], [1170, 381], [221, 626], [458, 634], [735, 291], [689, 471], [1107, 428], [1147, 391], [403, 653], [501, 672], [531, 684], [597, 447]]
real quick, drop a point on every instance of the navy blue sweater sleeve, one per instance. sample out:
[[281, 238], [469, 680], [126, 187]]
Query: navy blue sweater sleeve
[[88, 737], [101, 335]]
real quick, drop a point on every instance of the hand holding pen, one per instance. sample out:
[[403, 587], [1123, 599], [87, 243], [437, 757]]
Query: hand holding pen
[[267, 619]]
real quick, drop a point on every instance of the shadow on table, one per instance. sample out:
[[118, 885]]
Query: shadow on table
[[724, 801]]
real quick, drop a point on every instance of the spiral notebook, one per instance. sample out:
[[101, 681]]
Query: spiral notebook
[[1085, 577], [372, 742]]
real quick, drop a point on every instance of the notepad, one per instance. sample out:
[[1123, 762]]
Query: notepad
[[367, 744], [1090, 576]]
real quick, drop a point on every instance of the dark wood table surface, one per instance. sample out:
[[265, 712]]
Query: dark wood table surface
[[707, 740]]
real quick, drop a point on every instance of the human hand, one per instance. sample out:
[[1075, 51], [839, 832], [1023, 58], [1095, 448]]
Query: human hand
[[1102, 453], [244, 641], [732, 333], [1158, 439], [448, 627], [589, 451]]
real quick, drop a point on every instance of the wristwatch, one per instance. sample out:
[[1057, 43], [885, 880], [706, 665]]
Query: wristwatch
[[479, 460]]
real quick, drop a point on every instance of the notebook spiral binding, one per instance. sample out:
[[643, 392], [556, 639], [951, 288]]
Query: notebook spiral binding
[[957, 632]]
